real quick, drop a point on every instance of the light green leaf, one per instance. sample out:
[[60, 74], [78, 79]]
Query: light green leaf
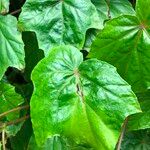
[[55, 143], [9, 99], [125, 44], [4, 6], [85, 101], [59, 22], [11, 45]]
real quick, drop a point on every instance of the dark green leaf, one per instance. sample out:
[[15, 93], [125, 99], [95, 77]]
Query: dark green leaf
[[136, 140], [141, 120], [11, 45], [21, 140], [85, 101], [55, 143], [32, 53]]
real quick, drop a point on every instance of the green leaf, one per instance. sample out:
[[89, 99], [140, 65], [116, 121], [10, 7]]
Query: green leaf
[[141, 120], [11, 45], [85, 101], [58, 22], [102, 9], [108, 9], [119, 7], [55, 143], [90, 37], [125, 44], [4, 6], [9, 99], [22, 138], [144, 100], [143, 12], [136, 140]]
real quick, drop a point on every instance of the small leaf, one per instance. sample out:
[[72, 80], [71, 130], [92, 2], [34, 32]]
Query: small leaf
[[85, 101], [58, 22], [9, 99], [4, 6], [11, 45]]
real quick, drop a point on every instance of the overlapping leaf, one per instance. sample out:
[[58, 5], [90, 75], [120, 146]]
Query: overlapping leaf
[[59, 22], [56, 143], [85, 101], [141, 120], [4, 6], [11, 45], [125, 43], [136, 140], [9, 99], [108, 9]]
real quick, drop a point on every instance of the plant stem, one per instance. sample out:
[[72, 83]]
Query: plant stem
[[118, 147], [15, 12], [3, 139], [13, 110], [17, 120]]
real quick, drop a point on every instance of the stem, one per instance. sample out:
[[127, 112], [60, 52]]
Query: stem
[[3, 139], [13, 110], [108, 11], [17, 120], [15, 12], [118, 147]]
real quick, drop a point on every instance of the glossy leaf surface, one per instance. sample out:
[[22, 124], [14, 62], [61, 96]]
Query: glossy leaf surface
[[125, 43], [78, 99], [11, 45], [58, 22]]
